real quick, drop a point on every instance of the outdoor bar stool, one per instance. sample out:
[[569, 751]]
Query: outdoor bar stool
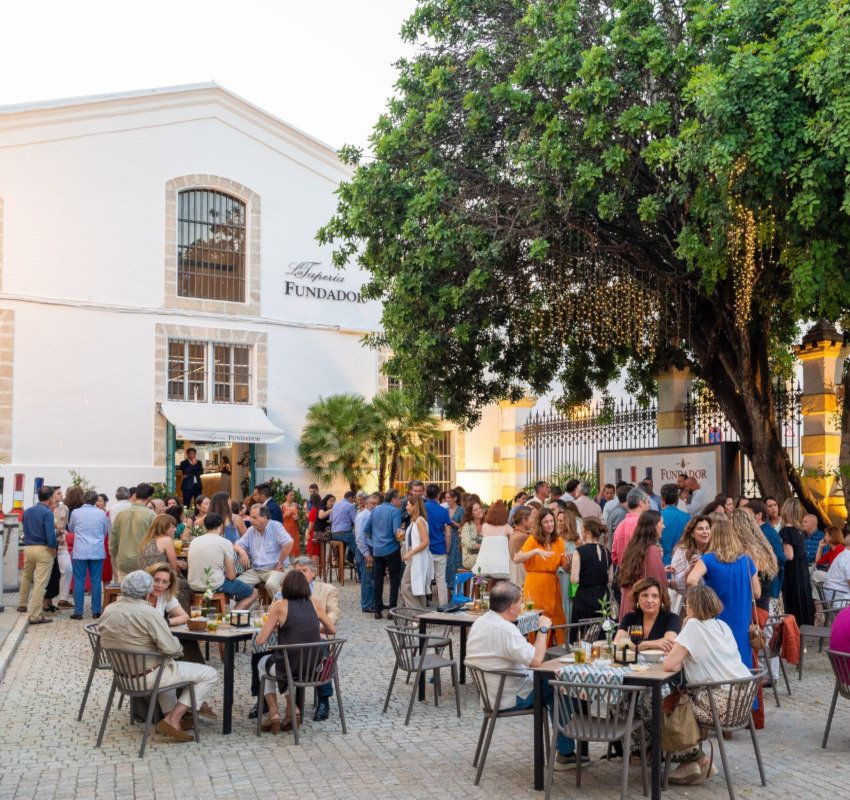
[[129, 670], [492, 712], [840, 663], [307, 666], [412, 657], [731, 707], [326, 563], [98, 662], [596, 712], [773, 649], [111, 592]]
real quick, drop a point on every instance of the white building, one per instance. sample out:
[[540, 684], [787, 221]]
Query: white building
[[160, 283]]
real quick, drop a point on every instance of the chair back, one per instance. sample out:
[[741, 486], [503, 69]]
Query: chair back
[[459, 594], [405, 618], [732, 700], [830, 608], [310, 664], [840, 663], [590, 629], [406, 645], [131, 669], [595, 711], [100, 659], [479, 676], [773, 646]]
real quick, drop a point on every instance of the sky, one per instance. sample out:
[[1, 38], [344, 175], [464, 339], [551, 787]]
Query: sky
[[325, 66]]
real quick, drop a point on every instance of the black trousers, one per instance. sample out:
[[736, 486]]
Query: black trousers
[[52, 590], [392, 564]]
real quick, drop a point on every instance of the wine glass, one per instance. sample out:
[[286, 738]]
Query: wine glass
[[636, 634]]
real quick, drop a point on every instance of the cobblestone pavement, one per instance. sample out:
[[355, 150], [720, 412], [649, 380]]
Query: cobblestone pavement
[[48, 754]]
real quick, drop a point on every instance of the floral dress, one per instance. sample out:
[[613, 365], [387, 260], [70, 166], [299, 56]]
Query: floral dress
[[455, 555], [470, 542]]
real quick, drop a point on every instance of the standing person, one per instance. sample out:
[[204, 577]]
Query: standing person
[[675, 520], [226, 473], [343, 515], [321, 527], [455, 554], [90, 527], [122, 501], [642, 558], [63, 569], [524, 521], [773, 516], [313, 547], [290, 511], [128, 530], [265, 496], [440, 538], [608, 493], [381, 529], [592, 571], [654, 499], [542, 555], [494, 555], [734, 578], [615, 513], [688, 551], [520, 499], [158, 548], [638, 504], [698, 497], [541, 495], [39, 551], [263, 550], [577, 492], [759, 511], [415, 488], [191, 469], [416, 581], [363, 556], [796, 583], [470, 532]]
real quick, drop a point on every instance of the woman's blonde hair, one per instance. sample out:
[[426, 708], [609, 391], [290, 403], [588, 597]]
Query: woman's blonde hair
[[419, 505], [753, 542], [724, 542], [172, 589], [703, 602], [159, 527], [792, 513]]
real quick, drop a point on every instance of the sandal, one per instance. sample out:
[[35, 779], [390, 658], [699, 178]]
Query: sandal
[[272, 724], [287, 725]]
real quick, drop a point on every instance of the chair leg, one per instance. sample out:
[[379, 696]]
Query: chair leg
[[643, 761], [390, 689], [802, 653], [339, 701], [120, 701], [436, 688], [106, 713], [829, 718], [456, 685], [260, 698], [480, 740], [196, 732], [152, 701], [293, 693], [88, 688], [785, 675], [624, 777], [413, 696], [752, 727], [763, 655], [486, 747], [726, 773], [668, 757], [578, 764], [553, 751]]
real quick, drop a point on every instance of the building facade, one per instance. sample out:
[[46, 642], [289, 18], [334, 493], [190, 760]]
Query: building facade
[[161, 286]]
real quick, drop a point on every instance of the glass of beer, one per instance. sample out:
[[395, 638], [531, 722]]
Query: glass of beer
[[195, 612], [178, 546], [212, 623], [578, 653]]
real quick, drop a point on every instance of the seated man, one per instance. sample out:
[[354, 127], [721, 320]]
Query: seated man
[[327, 596], [264, 550], [132, 623], [495, 643], [212, 562]]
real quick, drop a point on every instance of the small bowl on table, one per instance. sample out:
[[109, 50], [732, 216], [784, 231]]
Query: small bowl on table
[[197, 624]]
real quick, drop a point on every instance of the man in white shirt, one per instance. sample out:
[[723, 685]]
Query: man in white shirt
[[577, 491], [699, 499], [837, 583], [495, 643], [122, 501]]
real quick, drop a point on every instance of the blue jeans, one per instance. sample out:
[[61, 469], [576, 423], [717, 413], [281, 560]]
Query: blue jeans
[[565, 746], [325, 690], [367, 594], [348, 538], [94, 567]]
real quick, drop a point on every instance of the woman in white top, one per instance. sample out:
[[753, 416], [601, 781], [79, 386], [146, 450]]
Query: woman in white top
[[493, 556], [707, 651], [694, 542], [420, 562], [164, 594]]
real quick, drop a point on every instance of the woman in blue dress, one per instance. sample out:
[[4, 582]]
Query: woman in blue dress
[[734, 578], [455, 556]]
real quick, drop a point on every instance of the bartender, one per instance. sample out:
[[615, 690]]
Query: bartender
[[192, 470]]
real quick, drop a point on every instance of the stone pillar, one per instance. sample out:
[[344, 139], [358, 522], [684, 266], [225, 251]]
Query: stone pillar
[[820, 444], [512, 455], [7, 360], [673, 387]]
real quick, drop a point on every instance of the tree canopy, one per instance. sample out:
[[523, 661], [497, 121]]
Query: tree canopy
[[561, 190]]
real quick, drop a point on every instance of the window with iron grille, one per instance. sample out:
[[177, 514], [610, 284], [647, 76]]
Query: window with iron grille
[[215, 370], [210, 245], [441, 469]]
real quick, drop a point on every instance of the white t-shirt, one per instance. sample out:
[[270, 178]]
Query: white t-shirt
[[209, 550], [495, 643], [712, 652], [837, 577], [164, 606]]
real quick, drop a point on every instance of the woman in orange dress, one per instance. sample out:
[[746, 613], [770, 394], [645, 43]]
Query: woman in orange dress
[[541, 555], [290, 522]]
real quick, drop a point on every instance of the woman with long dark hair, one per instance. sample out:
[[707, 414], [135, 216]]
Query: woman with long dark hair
[[643, 558], [313, 548]]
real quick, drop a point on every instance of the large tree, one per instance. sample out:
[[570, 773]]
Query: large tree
[[561, 190]]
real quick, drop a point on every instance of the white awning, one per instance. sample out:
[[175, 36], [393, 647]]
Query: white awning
[[220, 422]]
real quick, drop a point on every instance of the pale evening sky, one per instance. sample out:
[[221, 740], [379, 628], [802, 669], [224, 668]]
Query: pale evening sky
[[324, 66]]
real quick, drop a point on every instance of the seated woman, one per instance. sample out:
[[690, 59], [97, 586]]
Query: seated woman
[[707, 651], [652, 613], [829, 548], [298, 620], [164, 595]]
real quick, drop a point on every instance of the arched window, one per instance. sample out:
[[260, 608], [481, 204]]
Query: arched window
[[210, 245]]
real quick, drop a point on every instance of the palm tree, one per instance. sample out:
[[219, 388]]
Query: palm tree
[[401, 431], [337, 439]]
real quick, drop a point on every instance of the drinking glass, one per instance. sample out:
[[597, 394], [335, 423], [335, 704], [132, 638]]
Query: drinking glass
[[636, 634], [195, 612], [595, 651], [578, 653]]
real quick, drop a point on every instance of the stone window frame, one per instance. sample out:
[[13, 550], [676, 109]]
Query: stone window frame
[[257, 340], [251, 306], [7, 361]]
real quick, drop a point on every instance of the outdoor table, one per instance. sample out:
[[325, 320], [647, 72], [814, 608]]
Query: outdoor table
[[653, 676], [229, 636], [527, 623]]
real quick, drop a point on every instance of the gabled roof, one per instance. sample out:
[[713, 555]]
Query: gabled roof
[[45, 111]]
